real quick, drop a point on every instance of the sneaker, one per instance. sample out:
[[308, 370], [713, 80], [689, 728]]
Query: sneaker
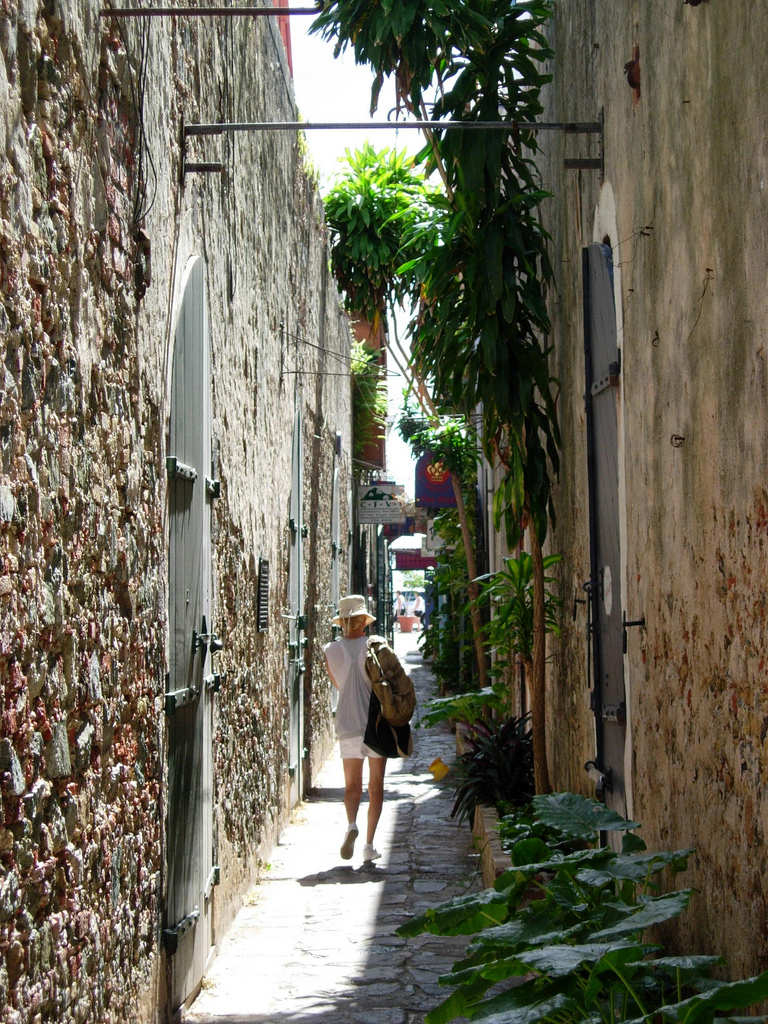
[[370, 853], [348, 846]]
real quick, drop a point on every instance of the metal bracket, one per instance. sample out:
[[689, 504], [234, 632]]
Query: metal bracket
[[625, 625], [212, 488], [213, 682], [588, 163], [171, 936], [178, 470], [180, 698], [603, 779], [608, 380], [614, 713], [213, 879]]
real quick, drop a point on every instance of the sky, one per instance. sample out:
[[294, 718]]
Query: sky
[[329, 89]]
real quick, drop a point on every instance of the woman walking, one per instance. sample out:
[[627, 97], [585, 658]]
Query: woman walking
[[345, 659]]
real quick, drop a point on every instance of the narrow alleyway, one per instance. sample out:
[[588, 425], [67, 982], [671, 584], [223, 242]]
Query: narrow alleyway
[[316, 939]]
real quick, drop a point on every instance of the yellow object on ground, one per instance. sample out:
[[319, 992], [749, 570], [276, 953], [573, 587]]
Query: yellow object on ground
[[439, 769]]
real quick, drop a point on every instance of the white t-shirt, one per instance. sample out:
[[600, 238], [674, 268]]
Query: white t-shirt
[[346, 660]]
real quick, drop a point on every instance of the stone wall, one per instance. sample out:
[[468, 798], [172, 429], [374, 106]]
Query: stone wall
[[683, 204], [96, 231]]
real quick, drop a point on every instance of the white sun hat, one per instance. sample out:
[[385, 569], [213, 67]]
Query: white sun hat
[[353, 604]]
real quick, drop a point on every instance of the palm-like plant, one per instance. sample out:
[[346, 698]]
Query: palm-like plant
[[510, 592], [374, 211]]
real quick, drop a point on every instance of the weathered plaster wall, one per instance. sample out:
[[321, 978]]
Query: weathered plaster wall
[[88, 306], [686, 162]]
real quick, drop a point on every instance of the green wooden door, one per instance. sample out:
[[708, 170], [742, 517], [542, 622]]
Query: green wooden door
[[189, 694]]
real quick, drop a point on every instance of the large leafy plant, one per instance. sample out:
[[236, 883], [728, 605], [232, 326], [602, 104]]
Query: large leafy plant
[[510, 594], [371, 209], [566, 936]]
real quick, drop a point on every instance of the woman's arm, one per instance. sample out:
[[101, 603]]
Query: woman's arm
[[328, 669]]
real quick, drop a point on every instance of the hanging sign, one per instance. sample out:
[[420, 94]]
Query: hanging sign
[[433, 484], [433, 541], [380, 503], [406, 559]]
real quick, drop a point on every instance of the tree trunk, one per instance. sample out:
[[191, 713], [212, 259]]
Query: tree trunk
[[472, 588], [538, 684]]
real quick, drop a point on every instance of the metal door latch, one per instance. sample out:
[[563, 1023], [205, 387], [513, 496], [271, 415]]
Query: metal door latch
[[603, 780], [171, 936], [206, 640], [625, 625]]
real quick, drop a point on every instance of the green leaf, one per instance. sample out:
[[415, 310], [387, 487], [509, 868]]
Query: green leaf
[[454, 1006], [558, 961], [461, 916], [547, 1009], [531, 928], [651, 911], [529, 851], [631, 843], [672, 964], [725, 996], [579, 816], [635, 868]]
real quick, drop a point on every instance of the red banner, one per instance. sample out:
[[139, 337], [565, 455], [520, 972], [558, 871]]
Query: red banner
[[413, 560]]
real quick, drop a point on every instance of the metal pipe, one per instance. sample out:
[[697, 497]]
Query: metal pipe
[[573, 128], [206, 12]]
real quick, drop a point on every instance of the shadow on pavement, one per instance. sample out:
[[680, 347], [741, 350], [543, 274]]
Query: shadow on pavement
[[346, 875], [323, 794]]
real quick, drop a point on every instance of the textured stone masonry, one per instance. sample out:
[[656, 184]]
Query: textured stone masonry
[[96, 231]]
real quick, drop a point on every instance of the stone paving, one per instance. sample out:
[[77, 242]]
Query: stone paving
[[316, 939]]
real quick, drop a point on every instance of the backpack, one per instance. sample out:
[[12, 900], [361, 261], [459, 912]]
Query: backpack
[[393, 688]]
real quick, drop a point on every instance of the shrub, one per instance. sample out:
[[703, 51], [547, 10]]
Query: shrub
[[578, 954], [497, 769]]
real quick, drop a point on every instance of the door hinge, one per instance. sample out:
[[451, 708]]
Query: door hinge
[[178, 470], [212, 488], [171, 936], [607, 380], [213, 682], [179, 698], [301, 622]]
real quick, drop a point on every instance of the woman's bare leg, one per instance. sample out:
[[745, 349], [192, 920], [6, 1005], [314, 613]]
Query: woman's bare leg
[[353, 786], [376, 768]]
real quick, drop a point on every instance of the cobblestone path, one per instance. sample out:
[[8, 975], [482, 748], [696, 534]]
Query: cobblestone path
[[316, 942]]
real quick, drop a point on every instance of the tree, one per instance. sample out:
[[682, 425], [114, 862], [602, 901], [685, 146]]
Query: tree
[[381, 213], [482, 316]]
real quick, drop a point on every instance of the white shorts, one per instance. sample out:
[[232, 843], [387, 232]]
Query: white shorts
[[353, 746]]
